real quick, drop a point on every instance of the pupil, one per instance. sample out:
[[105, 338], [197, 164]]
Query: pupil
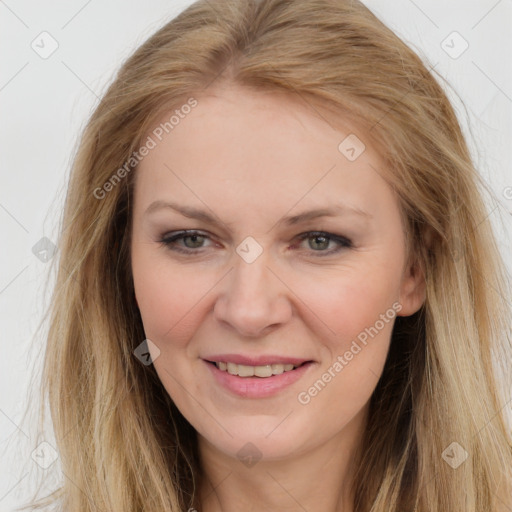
[[195, 239], [324, 242]]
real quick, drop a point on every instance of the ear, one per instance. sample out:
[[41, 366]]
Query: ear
[[412, 288]]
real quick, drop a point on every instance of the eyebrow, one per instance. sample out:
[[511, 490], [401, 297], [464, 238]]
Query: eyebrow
[[203, 215]]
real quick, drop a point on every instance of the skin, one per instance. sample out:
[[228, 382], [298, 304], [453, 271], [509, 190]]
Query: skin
[[251, 158]]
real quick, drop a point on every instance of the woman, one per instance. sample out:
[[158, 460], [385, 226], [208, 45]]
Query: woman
[[278, 286]]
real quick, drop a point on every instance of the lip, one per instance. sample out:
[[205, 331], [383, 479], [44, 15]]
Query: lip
[[258, 387], [262, 360]]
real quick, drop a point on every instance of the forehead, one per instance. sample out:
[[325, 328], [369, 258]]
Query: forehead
[[259, 145]]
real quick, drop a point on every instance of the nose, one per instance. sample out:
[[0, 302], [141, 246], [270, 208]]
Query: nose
[[252, 300]]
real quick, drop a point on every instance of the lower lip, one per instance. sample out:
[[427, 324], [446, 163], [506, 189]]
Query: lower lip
[[257, 387]]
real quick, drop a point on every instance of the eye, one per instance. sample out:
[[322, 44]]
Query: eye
[[191, 240], [319, 241]]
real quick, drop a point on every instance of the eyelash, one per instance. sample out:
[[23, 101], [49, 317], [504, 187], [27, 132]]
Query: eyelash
[[344, 243]]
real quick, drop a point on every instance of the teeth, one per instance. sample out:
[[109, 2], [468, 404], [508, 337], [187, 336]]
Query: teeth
[[277, 369], [258, 371], [263, 371], [245, 371]]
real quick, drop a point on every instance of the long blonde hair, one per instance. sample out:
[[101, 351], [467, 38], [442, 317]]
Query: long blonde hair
[[123, 445]]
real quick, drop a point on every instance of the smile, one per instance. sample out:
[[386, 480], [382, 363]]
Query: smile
[[242, 370], [261, 380]]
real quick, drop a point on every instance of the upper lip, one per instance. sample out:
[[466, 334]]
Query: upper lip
[[262, 360]]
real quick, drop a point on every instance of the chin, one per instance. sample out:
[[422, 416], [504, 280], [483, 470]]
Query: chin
[[266, 439]]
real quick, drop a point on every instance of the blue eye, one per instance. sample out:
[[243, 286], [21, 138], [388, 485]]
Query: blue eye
[[189, 241]]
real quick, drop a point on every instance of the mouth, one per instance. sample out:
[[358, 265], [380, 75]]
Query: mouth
[[266, 377], [261, 371]]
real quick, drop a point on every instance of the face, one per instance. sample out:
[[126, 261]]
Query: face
[[269, 266]]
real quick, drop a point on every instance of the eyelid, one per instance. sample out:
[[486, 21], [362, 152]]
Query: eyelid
[[168, 239], [173, 236], [343, 242], [327, 234]]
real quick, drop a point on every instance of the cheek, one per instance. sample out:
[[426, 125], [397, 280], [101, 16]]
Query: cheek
[[359, 309], [350, 301], [362, 318], [168, 298]]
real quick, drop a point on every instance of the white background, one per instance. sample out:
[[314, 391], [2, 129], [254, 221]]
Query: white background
[[45, 103]]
